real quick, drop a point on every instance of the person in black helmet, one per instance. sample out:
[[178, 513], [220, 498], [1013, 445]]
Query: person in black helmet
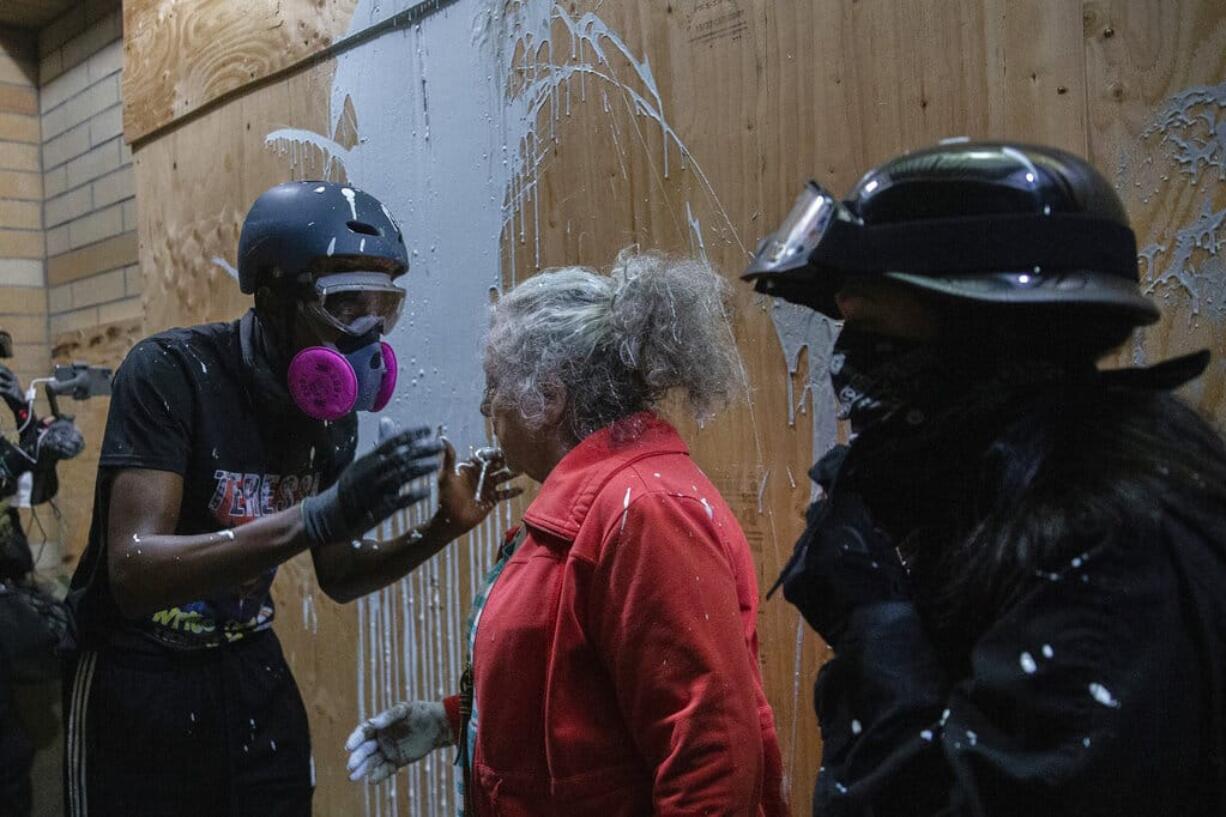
[[1020, 559], [229, 448]]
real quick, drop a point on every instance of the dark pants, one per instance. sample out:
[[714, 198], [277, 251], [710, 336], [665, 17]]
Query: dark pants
[[222, 733], [16, 755]]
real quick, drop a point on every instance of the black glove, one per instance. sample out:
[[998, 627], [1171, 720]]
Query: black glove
[[61, 440], [370, 489], [843, 561], [10, 392]]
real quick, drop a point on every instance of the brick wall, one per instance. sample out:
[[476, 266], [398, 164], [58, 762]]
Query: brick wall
[[89, 212], [23, 300]]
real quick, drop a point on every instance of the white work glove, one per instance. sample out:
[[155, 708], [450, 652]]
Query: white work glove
[[401, 735]]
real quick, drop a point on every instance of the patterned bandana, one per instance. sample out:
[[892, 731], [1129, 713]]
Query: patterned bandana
[[874, 377]]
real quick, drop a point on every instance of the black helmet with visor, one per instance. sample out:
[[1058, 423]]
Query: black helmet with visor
[[997, 223]]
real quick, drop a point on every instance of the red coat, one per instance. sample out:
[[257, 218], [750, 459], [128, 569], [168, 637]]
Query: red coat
[[615, 665]]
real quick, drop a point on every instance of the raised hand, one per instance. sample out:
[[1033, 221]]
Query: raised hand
[[470, 490], [372, 488]]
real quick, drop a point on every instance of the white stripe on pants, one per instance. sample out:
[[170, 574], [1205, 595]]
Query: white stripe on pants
[[76, 737]]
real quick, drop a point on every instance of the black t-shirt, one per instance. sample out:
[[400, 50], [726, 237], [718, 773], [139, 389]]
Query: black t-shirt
[[182, 402]]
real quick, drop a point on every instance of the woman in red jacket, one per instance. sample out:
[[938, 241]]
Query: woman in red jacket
[[614, 651]]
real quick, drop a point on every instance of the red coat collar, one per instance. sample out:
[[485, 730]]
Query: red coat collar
[[572, 486]]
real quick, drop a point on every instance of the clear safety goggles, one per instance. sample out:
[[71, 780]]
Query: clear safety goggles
[[353, 302], [791, 245]]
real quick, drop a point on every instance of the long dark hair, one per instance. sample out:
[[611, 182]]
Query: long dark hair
[[1084, 465]]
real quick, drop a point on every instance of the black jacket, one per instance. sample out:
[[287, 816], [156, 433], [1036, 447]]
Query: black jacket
[[1089, 678]]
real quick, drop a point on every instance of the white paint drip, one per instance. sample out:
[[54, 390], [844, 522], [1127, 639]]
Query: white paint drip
[[225, 265], [1048, 652], [292, 142], [707, 506], [1028, 663], [332, 246], [696, 245], [762, 490], [352, 199]]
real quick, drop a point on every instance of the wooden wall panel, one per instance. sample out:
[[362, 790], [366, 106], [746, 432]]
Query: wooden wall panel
[[1156, 97], [180, 56], [103, 345], [757, 96]]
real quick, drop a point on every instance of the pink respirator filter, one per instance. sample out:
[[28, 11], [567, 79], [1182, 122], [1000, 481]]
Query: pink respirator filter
[[322, 383]]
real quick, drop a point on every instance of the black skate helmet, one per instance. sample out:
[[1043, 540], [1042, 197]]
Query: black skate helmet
[[328, 244]]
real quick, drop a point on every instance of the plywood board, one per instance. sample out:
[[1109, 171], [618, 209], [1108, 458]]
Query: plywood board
[[106, 346], [1156, 97], [179, 57]]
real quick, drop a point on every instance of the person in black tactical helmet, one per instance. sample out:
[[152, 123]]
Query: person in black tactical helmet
[[1020, 560], [229, 448]]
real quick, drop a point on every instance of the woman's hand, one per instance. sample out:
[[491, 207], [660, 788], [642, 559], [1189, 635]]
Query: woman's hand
[[467, 492], [396, 737]]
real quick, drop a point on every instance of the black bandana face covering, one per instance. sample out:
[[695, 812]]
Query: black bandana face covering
[[874, 377]]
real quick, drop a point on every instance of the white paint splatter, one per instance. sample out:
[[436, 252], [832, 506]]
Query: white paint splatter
[[926, 734], [1193, 129], [709, 509], [1028, 664], [225, 265], [352, 198], [1194, 264], [1048, 652], [856, 728], [1103, 695], [625, 510], [332, 246]]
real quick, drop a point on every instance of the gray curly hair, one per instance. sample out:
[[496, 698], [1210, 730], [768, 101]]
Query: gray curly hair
[[613, 345]]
